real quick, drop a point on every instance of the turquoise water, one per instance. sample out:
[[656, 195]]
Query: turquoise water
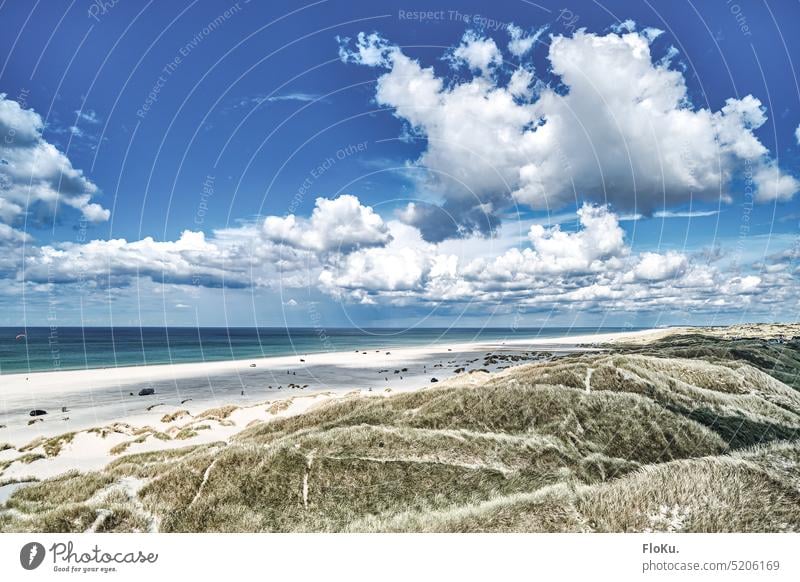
[[70, 348]]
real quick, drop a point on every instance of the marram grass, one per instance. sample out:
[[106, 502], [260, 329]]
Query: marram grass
[[692, 434]]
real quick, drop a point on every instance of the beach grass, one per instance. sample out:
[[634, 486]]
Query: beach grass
[[693, 433]]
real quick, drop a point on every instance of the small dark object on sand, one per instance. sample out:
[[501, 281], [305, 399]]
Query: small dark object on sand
[[364, 353], [185, 400], [302, 360], [2, 426], [64, 409], [131, 393], [388, 353], [35, 420], [404, 370], [38, 412], [147, 391], [242, 392], [252, 365], [434, 380], [152, 406]]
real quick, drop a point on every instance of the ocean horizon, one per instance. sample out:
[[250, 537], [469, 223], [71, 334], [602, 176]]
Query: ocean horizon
[[49, 349]]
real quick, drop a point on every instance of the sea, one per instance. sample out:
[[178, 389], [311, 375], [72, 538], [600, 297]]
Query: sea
[[39, 349]]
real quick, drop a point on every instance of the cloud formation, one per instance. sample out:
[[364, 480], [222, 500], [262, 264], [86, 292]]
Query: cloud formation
[[274, 252], [617, 128], [360, 258], [616, 137], [35, 177], [190, 260], [554, 270], [342, 224]]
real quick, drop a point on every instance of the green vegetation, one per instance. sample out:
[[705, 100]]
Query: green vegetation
[[29, 458], [220, 413], [177, 415], [778, 358], [71, 502], [52, 446], [185, 433], [694, 433]]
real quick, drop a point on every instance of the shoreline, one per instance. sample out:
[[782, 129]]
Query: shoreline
[[99, 351], [184, 393], [558, 414], [45, 382]]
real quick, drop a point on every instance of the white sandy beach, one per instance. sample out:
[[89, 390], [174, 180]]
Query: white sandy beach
[[46, 383], [256, 389]]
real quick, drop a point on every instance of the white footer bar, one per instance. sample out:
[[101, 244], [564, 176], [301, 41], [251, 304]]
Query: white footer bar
[[356, 557]]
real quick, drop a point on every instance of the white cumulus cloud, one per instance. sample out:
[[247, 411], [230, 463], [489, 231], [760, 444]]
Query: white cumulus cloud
[[34, 176], [341, 224], [620, 129], [521, 43], [659, 267], [479, 54]]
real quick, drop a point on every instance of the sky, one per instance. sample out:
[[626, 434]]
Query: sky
[[342, 163]]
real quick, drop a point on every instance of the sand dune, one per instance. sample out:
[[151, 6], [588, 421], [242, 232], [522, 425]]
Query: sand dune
[[79, 399], [687, 433]]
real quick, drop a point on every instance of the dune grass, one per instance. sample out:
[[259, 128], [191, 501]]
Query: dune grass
[[631, 440], [51, 446], [173, 416], [779, 360]]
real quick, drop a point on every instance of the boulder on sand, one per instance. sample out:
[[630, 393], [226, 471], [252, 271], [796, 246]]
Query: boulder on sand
[[147, 391]]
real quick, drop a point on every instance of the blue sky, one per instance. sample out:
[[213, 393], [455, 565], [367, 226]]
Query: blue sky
[[209, 116]]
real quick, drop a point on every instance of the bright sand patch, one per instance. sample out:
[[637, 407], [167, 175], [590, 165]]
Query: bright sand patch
[[43, 383]]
